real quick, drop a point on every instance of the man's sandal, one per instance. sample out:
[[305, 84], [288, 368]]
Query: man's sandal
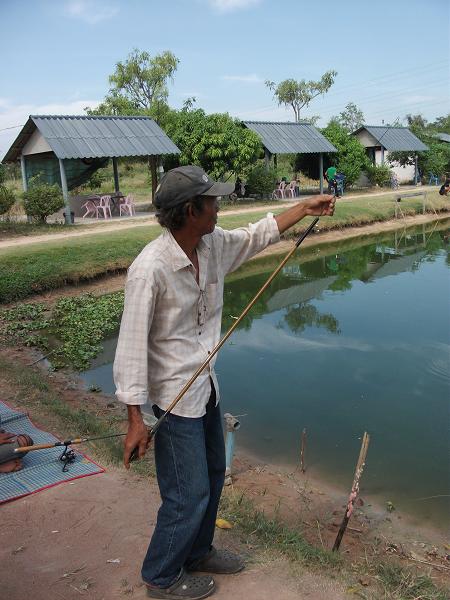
[[186, 587], [221, 562]]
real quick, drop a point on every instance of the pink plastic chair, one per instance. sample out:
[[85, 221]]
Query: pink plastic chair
[[105, 206], [127, 206], [291, 189], [91, 209]]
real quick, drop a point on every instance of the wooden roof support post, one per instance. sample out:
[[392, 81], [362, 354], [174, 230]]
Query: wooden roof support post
[[321, 172], [116, 174], [24, 173], [65, 192], [382, 155], [267, 157], [416, 171]]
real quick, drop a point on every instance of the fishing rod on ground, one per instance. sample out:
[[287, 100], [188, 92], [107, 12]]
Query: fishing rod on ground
[[154, 428]]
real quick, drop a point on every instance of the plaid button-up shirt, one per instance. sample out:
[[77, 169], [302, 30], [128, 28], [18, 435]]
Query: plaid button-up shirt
[[170, 323]]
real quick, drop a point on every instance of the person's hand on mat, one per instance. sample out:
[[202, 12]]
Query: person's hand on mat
[[137, 437], [6, 437]]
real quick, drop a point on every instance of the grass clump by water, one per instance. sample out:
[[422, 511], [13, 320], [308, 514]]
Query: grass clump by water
[[400, 583], [273, 534]]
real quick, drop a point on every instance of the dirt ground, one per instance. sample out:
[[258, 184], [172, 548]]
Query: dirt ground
[[57, 543]]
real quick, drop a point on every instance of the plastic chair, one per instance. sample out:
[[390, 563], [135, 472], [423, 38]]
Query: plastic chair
[[279, 192], [340, 184], [105, 206], [394, 181], [127, 206], [433, 180], [91, 209], [291, 189]]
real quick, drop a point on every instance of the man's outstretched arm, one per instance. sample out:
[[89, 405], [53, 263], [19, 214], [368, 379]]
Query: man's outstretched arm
[[316, 206]]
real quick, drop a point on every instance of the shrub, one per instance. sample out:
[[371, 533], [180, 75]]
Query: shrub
[[379, 175], [7, 199], [42, 199], [261, 181], [2, 174]]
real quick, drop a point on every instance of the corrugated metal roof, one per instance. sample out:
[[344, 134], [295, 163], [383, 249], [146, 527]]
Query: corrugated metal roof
[[444, 137], [95, 137], [394, 138], [288, 138]]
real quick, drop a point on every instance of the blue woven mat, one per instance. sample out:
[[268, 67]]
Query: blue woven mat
[[42, 468]]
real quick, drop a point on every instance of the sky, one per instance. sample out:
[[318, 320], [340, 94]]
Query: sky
[[392, 56]]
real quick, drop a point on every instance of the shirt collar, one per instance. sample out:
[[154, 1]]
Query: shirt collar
[[179, 259]]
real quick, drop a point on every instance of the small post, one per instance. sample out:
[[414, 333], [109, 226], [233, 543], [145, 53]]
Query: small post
[[302, 451], [24, 173], [116, 174], [416, 171], [321, 172], [232, 425], [354, 491], [382, 156], [275, 161], [267, 157], [65, 191]]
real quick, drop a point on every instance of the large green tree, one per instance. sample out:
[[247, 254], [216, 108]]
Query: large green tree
[[299, 94], [217, 142], [351, 158]]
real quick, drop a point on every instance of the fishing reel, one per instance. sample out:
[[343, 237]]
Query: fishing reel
[[67, 457]]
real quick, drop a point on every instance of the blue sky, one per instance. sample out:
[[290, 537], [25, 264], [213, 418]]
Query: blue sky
[[392, 57]]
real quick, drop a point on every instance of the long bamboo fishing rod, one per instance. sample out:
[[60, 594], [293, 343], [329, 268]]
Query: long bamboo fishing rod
[[216, 349]]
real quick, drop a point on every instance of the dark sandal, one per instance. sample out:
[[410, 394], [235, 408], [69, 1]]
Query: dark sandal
[[187, 587], [222, 562]]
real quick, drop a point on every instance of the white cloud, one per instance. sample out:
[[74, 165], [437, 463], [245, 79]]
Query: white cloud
[[231, 5], [90, 11], [418, 99], [12, 114], [253, 78]]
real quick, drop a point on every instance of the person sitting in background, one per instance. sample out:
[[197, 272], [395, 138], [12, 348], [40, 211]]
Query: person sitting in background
[[445, 188]]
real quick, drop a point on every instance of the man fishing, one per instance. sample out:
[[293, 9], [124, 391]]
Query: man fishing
[[170, 324]]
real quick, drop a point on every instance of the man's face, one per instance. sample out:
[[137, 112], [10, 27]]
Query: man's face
[[207, 219]]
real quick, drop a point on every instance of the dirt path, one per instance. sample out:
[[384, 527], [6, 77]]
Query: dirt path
[[68, 533], [95, 227]]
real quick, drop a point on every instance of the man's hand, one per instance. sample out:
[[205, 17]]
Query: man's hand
[[316, 206], [321, 205], [137, 435]]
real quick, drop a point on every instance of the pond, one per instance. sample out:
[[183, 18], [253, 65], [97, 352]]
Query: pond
[[349, 338]]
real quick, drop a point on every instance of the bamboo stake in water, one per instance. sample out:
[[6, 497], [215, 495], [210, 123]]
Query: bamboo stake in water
[[302, 451], [354, 492]]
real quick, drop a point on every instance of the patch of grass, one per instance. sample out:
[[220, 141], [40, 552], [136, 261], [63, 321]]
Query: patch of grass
[[79, 325], [273, 534], [400, 583], [10, 229]]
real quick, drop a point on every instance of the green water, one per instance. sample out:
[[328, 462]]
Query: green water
[[348, 339]]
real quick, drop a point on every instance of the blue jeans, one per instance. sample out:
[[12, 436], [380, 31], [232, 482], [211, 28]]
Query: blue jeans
[[190, 467]]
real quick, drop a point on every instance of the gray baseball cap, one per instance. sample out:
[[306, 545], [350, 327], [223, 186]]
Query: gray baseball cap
[[185, 183]]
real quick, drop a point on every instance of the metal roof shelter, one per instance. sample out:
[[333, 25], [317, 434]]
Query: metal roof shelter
[[68, 149], [443, 137], [291, 138], [387, 138]]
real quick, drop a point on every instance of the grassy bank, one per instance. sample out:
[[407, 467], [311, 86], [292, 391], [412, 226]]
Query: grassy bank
[[45, 266]]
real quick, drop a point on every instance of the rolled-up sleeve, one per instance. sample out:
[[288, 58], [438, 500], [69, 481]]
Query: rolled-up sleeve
[[131, 361], [244, 242]]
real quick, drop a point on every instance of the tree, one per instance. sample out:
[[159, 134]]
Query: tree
[[217, 142], [351, 118], [42, 199], [299, 94], [351, 158], [143, 79]]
